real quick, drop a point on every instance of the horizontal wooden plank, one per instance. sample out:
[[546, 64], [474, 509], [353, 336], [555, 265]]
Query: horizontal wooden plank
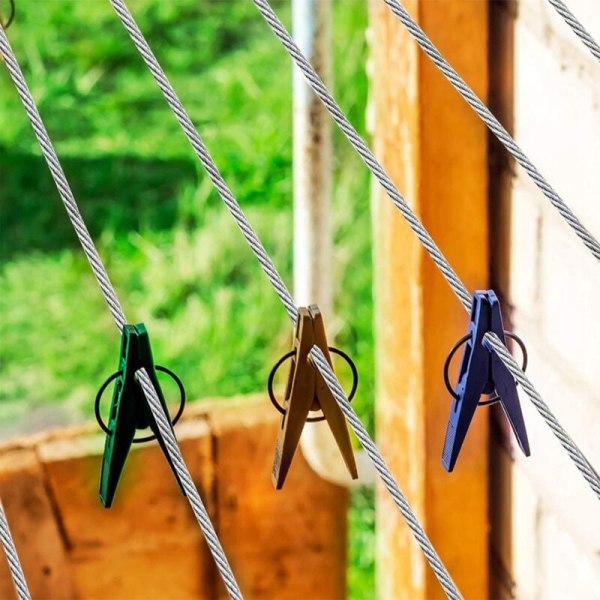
[[285, 544], [288, 544], [34, 527]]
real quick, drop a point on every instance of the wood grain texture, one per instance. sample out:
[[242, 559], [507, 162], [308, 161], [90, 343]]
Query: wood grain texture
[[34, 527], [435, 149], [289, 544], [149, 539]]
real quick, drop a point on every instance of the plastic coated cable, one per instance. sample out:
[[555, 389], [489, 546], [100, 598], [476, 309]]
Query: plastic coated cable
[[204, 156], [117, 312], [379, 172], [14, 564], [372, 451], [494, 125], [261, 254], [578, 29]]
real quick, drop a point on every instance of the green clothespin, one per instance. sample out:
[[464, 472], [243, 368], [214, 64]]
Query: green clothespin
[[129, 409]]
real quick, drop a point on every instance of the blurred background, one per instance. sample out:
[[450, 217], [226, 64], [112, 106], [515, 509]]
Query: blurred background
[[175, 256], [506, 526]]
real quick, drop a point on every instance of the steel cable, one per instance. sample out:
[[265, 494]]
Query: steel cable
[[12, 558], [494, 125], [493, 342], [578, 29], [381, 467], [196, 503], [117, 312], [204, 156], [359, 145], [262, 256], [379, 172]]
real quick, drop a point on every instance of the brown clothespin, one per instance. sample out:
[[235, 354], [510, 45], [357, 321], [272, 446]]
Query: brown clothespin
[[307, 391]]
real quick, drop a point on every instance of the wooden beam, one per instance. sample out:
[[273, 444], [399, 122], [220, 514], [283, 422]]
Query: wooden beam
[[501, 100], [36, 533], [435, 149], [289, 544]]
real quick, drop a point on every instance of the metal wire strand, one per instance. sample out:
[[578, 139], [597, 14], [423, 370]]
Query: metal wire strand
[[386, 476], [494, 125], [493, 343], [578, 29], [162, 420], [378, 171], [204, 156], [261, 254], [363, 150], [61, 181], [14, 564], [117, 312]]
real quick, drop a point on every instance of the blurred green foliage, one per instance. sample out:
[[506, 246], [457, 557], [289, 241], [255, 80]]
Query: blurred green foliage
[[173, 252]]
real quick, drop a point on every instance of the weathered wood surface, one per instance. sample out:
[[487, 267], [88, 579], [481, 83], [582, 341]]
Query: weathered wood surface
[[501, 102], [288, 544], [35, 531], [435, 149]]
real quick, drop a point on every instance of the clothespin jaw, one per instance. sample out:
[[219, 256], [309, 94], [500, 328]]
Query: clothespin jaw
[[481, 372], [305, 391], [129, 409]]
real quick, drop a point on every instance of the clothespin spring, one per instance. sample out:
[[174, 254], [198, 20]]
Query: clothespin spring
[[147, 438], [495, 398], [289, 355]]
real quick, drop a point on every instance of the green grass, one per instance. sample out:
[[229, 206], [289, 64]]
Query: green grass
[[174, 255]]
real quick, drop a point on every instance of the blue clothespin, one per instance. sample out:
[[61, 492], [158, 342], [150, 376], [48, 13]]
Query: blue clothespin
[[482, 372]]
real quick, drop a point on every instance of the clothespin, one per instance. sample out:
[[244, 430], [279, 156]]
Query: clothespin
[[307, 391], [129, 409], [482, 372]]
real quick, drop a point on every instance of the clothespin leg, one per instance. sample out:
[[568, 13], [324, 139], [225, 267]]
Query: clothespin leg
[[509, 400], [292, 424], [461, 415]]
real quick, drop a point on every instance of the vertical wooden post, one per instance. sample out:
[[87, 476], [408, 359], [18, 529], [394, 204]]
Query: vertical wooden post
[[435, 149], [501, 100]]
